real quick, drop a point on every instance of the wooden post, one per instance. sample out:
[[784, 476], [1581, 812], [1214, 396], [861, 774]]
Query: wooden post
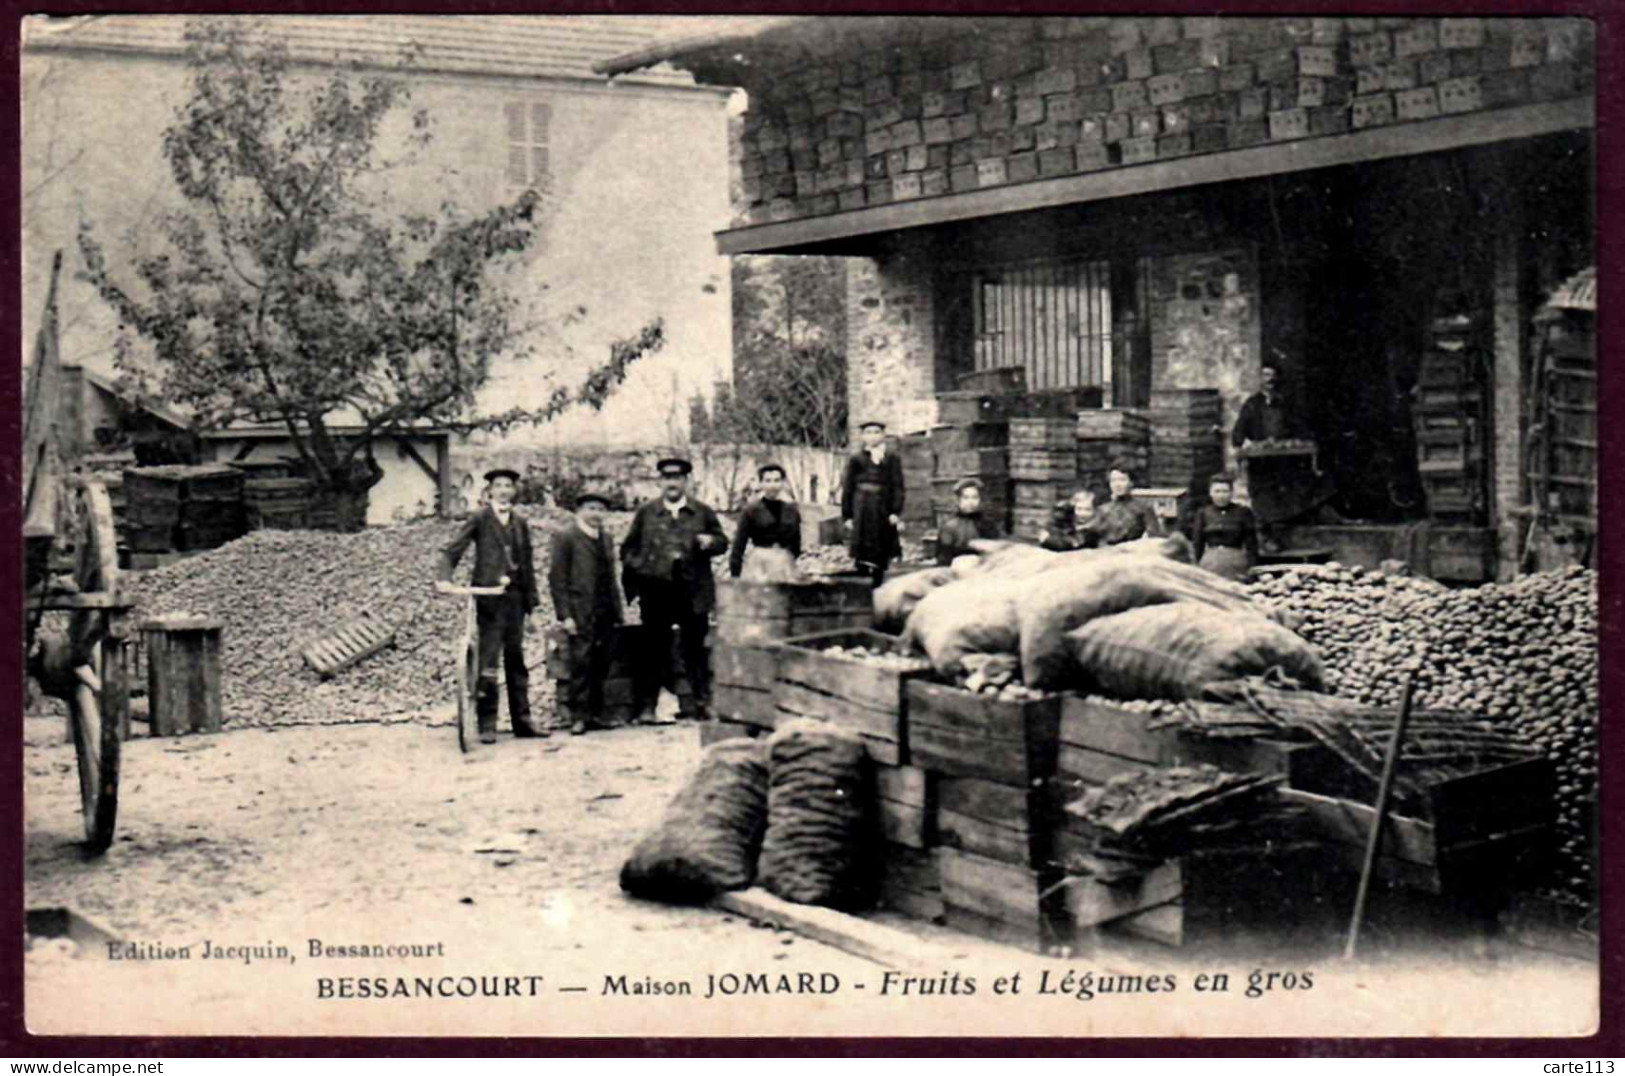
[[183, 674]]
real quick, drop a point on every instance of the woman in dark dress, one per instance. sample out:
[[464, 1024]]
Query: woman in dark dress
[[954, 537], [1122, 518], [771, 527], [872, 502], [1225, 534]]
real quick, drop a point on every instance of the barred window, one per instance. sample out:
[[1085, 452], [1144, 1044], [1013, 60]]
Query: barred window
[[1053, 318]]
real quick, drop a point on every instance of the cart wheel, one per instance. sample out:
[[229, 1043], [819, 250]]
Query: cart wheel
[[467, 684], [96, 741]]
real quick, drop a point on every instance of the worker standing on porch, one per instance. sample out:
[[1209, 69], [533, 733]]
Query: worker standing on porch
[[1283, 489], [872, 502]]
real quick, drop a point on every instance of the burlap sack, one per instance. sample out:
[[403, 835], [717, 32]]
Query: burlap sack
[[819, 845]]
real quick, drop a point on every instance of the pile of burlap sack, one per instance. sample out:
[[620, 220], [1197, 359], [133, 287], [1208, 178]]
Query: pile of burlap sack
[[1134, 621], [793, 811]]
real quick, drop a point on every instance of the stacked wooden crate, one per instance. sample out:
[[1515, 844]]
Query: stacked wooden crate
[[940, 108], [752, 618], [991, 761], [182, 509], [1186, 437], [971, 442], [1451, 415], [919, 467], [1044, 469], [273, 496], [819, 677], [1110, 436]]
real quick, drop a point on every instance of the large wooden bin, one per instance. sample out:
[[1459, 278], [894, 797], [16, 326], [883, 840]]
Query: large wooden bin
[[964, 734], [866, 699]]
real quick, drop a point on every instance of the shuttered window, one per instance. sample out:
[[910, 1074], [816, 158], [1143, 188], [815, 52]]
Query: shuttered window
[[1052, 318], [528, 125]]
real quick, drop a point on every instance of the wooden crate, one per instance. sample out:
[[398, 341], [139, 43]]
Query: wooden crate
[[966, 436], [719, 729], [1100, 741], [755, 614], [960, 734], [1044, 495], [183, 673], [1001, 902], [866, 699], [1060, 404], [974, 463], [905, 799], [350, 643], [1468, 826], [751, 667], [911, 882], [1108, 424], [969, 408], [1002, 822], [1044, 464], [1044, 433], [749, 706], [1000, 380]]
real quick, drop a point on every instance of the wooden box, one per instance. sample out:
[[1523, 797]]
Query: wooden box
[[1467, 827], [1002, 822], [1099, 741], [753, 614], [973, 462], [966, 436], [863, 698], [1043, 432], [1001, 902], [911, 882], [965, 408], [905, 803], [1108, 424], [1044, 464], [960, 734]]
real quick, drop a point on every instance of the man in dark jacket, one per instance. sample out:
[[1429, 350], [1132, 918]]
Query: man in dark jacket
[[502, 557], [581, 579], [770, 523], [1284, 489], [872, 502], [666, 565]]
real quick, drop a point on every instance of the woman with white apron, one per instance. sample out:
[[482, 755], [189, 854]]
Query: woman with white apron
[[1225, 534], [769, 537]]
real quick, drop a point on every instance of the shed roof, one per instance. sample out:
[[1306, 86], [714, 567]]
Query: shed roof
[[519, 46]]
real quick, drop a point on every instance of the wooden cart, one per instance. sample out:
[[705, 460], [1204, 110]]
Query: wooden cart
[[72, 567]]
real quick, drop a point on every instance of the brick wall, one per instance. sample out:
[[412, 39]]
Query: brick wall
[[891, 341]]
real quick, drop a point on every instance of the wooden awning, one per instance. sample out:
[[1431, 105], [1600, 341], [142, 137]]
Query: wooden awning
[[855, 231]]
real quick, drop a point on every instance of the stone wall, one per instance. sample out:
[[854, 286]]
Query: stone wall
[[891, 341]]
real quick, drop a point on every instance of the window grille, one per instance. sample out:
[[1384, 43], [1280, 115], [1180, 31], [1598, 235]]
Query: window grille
[[1052, 318]]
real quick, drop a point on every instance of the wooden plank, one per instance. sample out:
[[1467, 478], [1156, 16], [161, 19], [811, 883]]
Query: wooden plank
[[979, 837], [985, 715], [910, 868], [745, 705], [926, 907], [857, 228], [960, 754], [744, 666], [1005, 805], [905, 824], [886, 946], [1251, 756], [718, 730], [908, 785], [844, 713], [1096, 767], [1347, 822], [1090, 903], [742, 631], [1002, 891], [1101, 727], [1165, 925], [1027, 934], [847, 678]]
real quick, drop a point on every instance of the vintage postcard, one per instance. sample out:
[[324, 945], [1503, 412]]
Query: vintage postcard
[[643, 526]]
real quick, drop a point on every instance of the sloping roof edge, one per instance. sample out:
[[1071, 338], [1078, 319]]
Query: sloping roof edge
[[157, 410], [720, 33]]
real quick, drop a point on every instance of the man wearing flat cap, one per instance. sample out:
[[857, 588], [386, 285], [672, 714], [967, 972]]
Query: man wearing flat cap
[[769, 532], [872, 502], [666, 566], [503, 557], [587, 602]]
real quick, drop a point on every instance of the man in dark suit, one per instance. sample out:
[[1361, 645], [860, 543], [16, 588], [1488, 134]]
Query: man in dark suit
[[872, 502], [502, 557], [666, 565], [581, 579]]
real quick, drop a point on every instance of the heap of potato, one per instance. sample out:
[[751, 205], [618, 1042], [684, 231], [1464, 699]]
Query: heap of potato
[[885, 659], [1525, 653]]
